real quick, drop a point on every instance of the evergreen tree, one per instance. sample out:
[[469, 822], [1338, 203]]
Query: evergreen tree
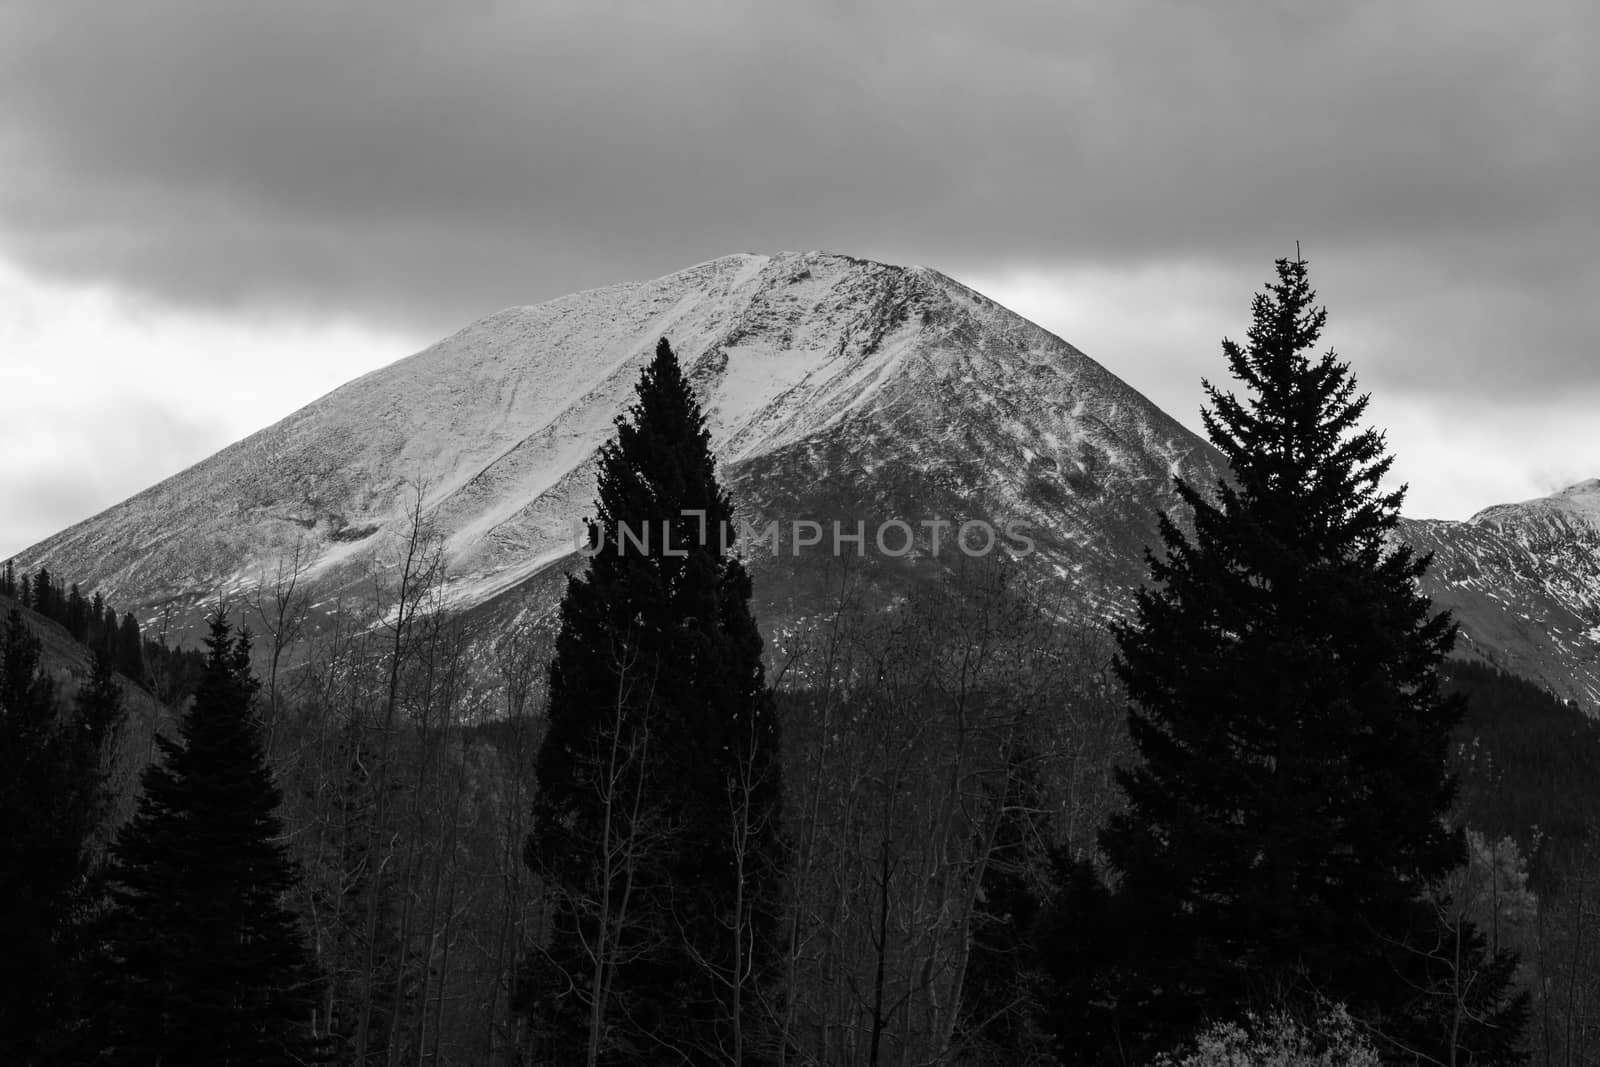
[[8, 579], [130, 649], [1082, 958], [999, 990], [86, 813], [37, 862], [97, 624], [99, 715], [27, 694], [204, 963], [54, 801], [1286, 819], [44, 594], [76, 614], [656, 821]]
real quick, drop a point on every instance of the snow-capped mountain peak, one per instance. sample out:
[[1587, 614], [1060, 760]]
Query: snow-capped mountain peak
[[830, 383]]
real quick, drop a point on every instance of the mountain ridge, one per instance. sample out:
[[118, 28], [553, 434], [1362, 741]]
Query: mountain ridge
[[787, 350]]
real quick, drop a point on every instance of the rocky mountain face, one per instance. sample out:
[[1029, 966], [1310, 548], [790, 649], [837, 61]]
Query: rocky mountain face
[[1523, 580], [891, 401]]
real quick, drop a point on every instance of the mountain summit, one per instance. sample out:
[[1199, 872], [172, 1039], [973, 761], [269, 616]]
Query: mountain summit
[[833, 387]]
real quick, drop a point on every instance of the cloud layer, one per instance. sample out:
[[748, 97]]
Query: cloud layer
[[415, 164]]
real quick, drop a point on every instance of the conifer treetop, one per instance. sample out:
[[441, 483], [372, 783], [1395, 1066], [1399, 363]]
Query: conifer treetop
[[661, 457], [1299, 459], [657, 479]]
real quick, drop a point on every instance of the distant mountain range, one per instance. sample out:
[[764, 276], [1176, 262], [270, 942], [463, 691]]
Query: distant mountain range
[[837, 390]]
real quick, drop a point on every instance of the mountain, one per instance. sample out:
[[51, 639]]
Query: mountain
[[1524, 582], [837, 390]]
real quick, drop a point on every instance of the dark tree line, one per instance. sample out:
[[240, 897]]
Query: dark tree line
[[171, 943], [1529, 764], [198, 960], [53, 804], [95, 624], [90, 620]]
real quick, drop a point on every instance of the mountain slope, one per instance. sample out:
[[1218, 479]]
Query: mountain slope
[[1524, 582], [834, 387]]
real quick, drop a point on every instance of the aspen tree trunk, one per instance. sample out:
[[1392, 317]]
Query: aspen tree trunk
[[418, 569]]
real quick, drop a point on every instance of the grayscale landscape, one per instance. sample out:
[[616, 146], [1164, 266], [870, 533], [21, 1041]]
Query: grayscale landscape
[[774, 535]]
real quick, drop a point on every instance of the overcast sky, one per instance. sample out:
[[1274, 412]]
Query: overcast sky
[[211, 213]]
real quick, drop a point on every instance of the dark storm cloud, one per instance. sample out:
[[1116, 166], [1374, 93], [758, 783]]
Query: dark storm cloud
[[425, 163]]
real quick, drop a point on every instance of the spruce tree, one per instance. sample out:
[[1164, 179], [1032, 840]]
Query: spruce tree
[[38, 862], [76, 614], [130, 648], [1000, 986], [656, 820], [203, 963], [97, 625], [86, 812], [1286, 819], [54, 803], [44, 593]]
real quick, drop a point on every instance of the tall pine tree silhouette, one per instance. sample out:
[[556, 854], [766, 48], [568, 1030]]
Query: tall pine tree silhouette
[[130, 648], [38, 860], [55, 799], [203, 962], [656, 820], [1285, 822]]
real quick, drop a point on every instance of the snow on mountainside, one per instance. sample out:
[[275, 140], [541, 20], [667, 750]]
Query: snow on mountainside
[[836, 389], [833, 387], [1524, 582], [1574, 511]]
